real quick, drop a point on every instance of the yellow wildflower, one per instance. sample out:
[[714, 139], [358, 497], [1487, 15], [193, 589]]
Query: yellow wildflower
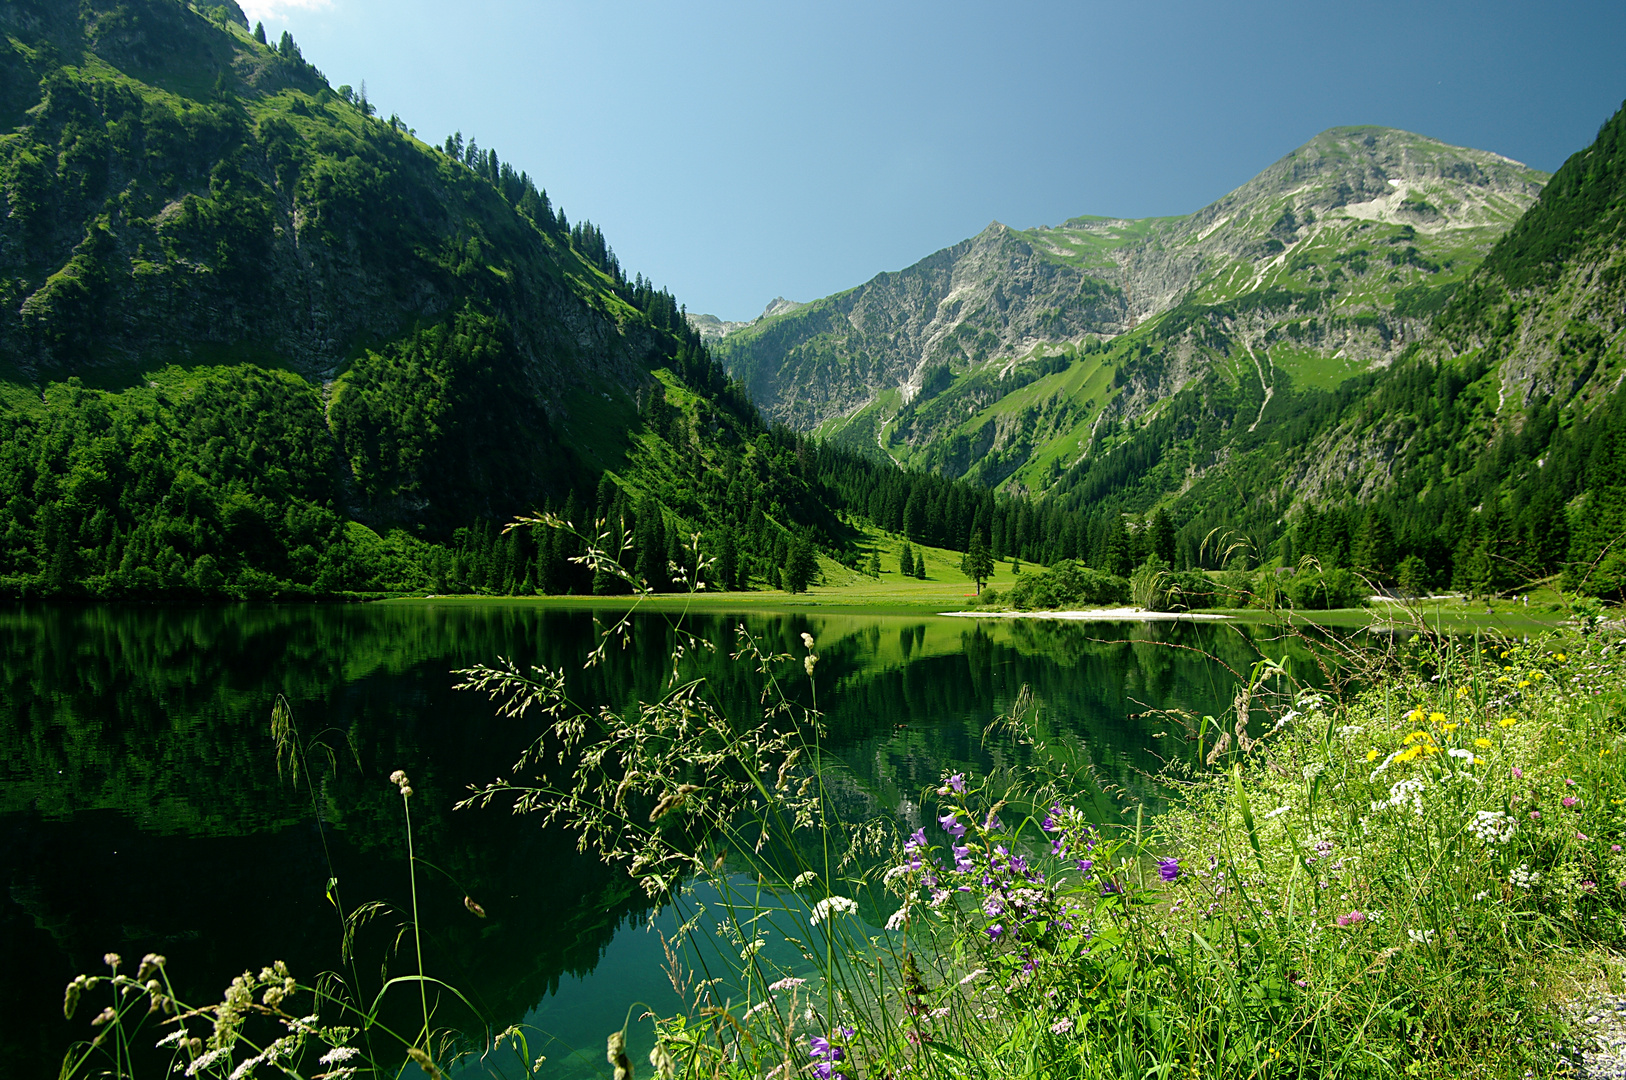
[[1436, 718], [1371, 755], [1483, 744], [1507, 721], [1451, 727], [1523, 683], [1414, 736], [1462, 691], [1561, 656]]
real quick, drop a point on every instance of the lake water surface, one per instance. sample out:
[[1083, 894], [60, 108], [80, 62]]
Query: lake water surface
[[141, 807]]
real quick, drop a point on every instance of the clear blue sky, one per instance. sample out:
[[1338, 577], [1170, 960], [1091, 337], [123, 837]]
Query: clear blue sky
[[736, 151]]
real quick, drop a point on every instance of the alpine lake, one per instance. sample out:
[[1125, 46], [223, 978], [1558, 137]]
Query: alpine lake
[[142, 808]]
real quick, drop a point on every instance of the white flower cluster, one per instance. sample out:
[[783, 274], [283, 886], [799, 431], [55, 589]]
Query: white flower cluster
[[1403, 793], [838, 904], [1493, 826], [1524, 877]]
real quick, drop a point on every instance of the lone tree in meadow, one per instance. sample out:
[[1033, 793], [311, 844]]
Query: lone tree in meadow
[[978, 563]]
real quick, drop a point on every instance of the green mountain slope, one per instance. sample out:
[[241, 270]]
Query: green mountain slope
[[1487, 454], [257, 339], [1003, 357]]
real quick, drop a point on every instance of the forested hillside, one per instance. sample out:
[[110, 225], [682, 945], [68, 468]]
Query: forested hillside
[[260, 341], [1487, 456]]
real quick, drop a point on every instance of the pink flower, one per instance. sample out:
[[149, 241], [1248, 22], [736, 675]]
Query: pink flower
[[1535, 815], [1580, 836], [1518, 774], [1568, 782], [1351, 919], [1569, 801]]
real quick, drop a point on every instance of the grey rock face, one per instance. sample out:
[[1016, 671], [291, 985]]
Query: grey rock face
[[990, 300]]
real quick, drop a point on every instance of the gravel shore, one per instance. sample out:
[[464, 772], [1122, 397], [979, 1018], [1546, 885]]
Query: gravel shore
[[1600, 1050]]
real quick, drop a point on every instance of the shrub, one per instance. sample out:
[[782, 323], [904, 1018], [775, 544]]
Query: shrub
[[1068, 583], [1321, 590]]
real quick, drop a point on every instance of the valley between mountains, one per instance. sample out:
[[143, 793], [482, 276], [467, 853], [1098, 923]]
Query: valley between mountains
[[260, 341]]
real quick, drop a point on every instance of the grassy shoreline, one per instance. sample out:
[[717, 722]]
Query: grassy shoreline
[[935, 598]]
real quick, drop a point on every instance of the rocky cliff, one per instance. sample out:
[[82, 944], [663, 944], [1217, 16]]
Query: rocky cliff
[[1327, 264]]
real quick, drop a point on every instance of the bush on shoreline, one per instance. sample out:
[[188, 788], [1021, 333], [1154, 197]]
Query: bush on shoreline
[[1155, 587]]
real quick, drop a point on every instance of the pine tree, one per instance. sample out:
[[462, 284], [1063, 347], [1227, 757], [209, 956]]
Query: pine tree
[[1160, 541], [728, 559], [906, 561], [914, 516], [801, 564], [875, 561], [259, 32], [550, 566], [979, 561], [650, 540], [1412, 576], [1375, 549], [1120, 551]]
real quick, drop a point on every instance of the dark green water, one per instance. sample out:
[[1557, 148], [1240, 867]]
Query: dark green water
[[141, 808]]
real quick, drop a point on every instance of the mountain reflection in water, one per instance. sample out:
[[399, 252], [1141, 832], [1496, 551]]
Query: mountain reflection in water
[[141, 807]]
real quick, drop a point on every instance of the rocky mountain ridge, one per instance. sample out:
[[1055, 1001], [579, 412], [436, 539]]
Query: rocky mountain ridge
[[711, 328], [1342, 251]]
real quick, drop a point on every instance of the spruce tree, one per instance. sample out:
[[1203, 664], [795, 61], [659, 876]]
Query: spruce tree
[[650, 540], [1160, 541], [728, 559], [801, 564], [979, 561], [906, 561], [1120, 550], [1375, 549], [550, 566]]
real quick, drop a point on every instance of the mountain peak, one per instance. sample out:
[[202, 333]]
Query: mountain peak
[[1341, 225], [779, 306]]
